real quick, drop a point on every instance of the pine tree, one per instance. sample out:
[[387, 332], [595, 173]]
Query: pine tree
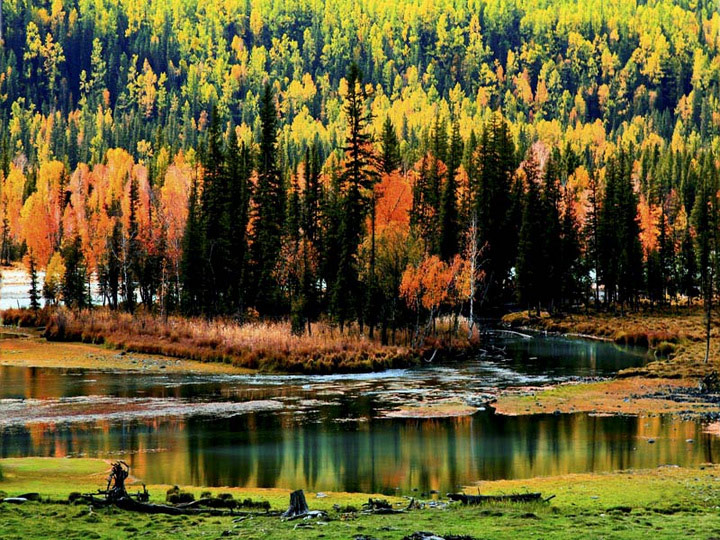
[[551, 233], [531, 268], [73, 287], [131, 250], [628, 234], [571, 270], [688, 267], [238, 167], [269, 213], [216, 220], [705, 221], [191, 266], [449, 226], [497, 206], [34, 292], [390, 159], [357, 179]]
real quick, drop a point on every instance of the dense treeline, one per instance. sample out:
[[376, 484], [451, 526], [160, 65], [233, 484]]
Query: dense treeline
[[277, 159]]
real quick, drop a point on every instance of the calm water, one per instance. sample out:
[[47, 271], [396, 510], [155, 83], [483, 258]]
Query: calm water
[[329, 433]]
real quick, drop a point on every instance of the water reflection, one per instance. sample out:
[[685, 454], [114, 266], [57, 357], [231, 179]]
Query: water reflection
[[271, 450], [327, 434]]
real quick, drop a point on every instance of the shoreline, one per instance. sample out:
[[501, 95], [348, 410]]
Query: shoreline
[[260, 346], [674, 500], [37, 352], [667, 384]]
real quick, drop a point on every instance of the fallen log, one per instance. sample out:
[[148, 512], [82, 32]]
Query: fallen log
[[481, 499], [126, 503]]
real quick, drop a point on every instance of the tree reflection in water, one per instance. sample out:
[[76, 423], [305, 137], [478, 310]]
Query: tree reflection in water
[[378, 455]]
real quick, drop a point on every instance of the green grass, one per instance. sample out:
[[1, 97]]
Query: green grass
[[665, 502]]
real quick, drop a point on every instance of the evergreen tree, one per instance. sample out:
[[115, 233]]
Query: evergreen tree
[[191, 266], [269, 213], [34, 292], [238, 167], [390, 147], [552, 234], [688, 267], [131, 248], [449, 226], [496, 207], [628, 231], [216, 220], [571, 270], [530, 267], [75, 278], [356, 184], [705, 220]]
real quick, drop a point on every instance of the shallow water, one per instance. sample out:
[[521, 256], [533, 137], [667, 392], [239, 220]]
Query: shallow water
[[328, 433]]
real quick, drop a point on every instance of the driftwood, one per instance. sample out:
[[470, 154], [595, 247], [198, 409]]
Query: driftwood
[[481, 499], [380, 506], [115, 494]]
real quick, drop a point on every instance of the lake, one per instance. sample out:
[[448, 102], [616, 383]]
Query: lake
[[329, 433]]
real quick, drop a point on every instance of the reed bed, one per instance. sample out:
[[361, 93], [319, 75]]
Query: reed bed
[[265, 346]]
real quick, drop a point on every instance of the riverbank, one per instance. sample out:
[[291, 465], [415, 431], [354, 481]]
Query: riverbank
[[261, 346], [674, 336], [667, 384], [36, 352], [670, 501]]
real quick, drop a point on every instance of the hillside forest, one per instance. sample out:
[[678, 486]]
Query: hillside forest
[[371, 162]]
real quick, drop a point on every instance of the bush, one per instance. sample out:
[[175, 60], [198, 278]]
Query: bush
[[665, 349]]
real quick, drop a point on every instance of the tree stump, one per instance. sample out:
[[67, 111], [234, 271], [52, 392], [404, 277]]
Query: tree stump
[[116, 481], [298, 505]]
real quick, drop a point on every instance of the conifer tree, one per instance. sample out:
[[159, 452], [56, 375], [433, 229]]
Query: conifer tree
[[216, 221], [34, 292], [531, 267], [268, 213], [571, 270], [238, 169], [495, 205], [75, 278], [357, 179], [551, 233], [130, 258], [390, 147], [705, 220], [449, 226], [191, 266]]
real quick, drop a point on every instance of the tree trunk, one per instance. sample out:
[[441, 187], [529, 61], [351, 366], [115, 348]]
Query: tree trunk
[[298, 505], [708, 318]]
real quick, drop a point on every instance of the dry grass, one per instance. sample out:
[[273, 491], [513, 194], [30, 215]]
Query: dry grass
[[676, 336], [630, 395], [261, 346], [25, 318]]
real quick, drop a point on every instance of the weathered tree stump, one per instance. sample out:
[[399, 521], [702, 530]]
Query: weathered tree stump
[[116, 481], [298, 505]]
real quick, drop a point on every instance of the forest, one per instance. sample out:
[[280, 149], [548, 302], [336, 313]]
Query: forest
[[371, 163]]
